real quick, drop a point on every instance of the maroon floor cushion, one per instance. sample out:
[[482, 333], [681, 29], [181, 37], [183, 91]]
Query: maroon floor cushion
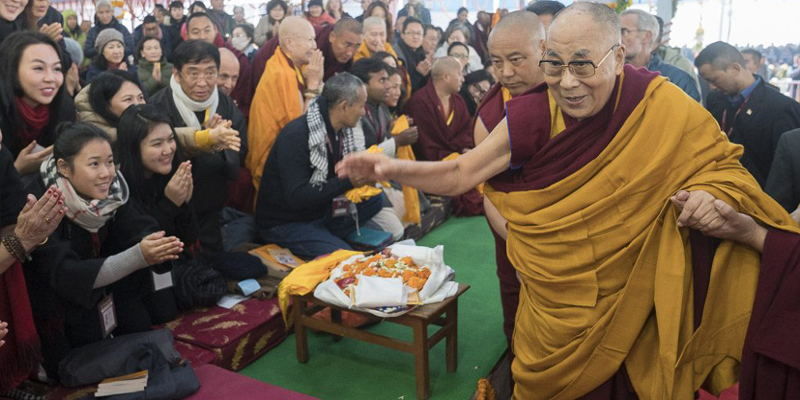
[[235, 337], [219, 384]]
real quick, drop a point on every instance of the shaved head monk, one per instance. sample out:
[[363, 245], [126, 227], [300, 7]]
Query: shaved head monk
[[619, 298], [228, 71], [338, 43], [443, 123], [374, 39], [293, 78], [515, 48]]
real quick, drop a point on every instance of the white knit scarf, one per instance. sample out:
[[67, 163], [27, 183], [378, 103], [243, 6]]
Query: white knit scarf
[[90, 215], [353, 142], [188, 107]]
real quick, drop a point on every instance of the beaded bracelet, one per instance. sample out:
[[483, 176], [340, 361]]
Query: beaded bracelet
[[15, 247]]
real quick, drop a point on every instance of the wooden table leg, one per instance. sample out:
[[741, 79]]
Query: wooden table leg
[[421, 358], [300, 332], [336, 318], [451, 341]]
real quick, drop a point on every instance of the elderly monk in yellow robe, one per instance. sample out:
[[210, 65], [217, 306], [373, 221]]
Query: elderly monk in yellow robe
[[612, 296], [374, 39], [515, 48], [292, 78]]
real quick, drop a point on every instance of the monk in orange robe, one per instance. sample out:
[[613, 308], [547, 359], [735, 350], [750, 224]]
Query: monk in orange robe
[[515, 48], [444, 125], [611, 302], [293, 77]]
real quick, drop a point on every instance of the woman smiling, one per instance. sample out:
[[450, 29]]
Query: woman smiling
[[98, 257], [33, 100]]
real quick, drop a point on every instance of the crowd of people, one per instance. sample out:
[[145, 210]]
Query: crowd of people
[[606, 163]]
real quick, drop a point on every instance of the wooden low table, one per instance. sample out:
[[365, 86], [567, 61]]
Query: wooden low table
[[418, 319]]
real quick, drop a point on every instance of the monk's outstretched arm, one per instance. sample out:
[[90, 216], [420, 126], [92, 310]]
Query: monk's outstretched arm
[[448, 178]]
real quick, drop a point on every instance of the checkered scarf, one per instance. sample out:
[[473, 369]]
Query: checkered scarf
[[88, 214], [353, 142]]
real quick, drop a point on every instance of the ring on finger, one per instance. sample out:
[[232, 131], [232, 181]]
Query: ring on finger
[[47, 219]]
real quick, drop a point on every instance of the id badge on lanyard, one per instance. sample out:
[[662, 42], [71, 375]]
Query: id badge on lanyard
[[108, 315]]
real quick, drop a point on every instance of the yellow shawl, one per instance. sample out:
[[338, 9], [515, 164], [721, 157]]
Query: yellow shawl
[[410, 195], [277, 101], [607, 274], [364, 52]]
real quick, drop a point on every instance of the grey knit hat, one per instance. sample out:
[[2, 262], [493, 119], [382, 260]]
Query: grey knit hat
[[106, 36], [74, 49]]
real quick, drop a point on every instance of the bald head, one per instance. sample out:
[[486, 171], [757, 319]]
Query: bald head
[[296, 39], [604, 19], [447, 76], [228, 71], [444, 66], [520, 25], [374, 23], [347, 24], [515, 46], [580, 34]]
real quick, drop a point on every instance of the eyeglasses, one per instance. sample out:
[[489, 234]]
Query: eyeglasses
[[460, 56], [579, 69], [626, 31], [209, 75], [412, 33]]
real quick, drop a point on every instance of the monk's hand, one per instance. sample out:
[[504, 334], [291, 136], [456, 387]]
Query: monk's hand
[[697, 209], [225, 137], [315, 70], [407, 137], [723, 221], [367, 167], [157, 249]]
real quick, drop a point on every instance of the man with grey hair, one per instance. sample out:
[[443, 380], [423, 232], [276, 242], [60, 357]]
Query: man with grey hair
[[639, 33], [301, 204], [607, 178]]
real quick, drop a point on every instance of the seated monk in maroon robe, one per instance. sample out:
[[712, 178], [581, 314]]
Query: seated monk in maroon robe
[[338, 43], [443, 122], [609, 298]]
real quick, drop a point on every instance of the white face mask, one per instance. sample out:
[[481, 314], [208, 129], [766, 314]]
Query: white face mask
[[240, 42]]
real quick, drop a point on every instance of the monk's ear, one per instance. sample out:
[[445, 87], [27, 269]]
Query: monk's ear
[[619, 58]]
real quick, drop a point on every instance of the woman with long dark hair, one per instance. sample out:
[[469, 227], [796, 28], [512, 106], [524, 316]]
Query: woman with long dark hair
[[102, 102], [153, 163], [13, 18], [33, 97], [99, 257]]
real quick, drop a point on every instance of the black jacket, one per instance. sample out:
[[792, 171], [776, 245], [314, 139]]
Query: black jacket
[[211, 171], [783, 183], [766, 115], [61, 274], [410, 59], [286, 194]]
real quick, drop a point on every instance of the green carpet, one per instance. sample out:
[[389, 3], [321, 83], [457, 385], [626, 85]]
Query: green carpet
[[352, 370]]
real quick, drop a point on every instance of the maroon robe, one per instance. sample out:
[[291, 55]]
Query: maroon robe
[[438, 140], [332, 66], [491, 111], [770, 368], [242, 93]]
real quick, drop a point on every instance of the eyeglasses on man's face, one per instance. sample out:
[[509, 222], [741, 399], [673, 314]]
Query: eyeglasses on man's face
[[578, 69]]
